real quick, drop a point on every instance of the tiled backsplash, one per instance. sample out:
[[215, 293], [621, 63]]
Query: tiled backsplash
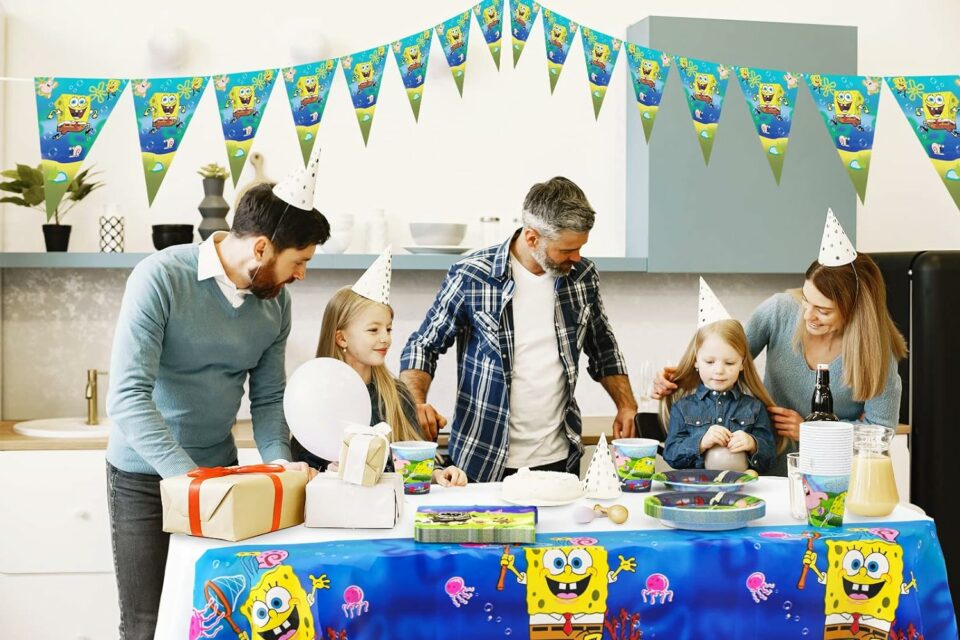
[[57, 323]]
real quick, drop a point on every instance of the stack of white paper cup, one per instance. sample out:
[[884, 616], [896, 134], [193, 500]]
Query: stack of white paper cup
[[826, 448]]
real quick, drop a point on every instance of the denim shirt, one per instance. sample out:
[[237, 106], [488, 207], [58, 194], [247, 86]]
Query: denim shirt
[[692, 415]]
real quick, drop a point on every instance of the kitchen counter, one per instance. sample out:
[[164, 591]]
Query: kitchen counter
[[243, 432]]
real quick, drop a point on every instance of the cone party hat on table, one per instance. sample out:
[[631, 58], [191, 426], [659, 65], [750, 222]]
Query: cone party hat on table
[[601, 481]]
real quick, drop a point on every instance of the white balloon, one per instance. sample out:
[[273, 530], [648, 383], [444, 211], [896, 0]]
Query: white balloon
[[323, 396]]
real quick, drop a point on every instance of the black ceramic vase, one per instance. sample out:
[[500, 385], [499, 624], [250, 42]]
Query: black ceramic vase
[[213, 208]]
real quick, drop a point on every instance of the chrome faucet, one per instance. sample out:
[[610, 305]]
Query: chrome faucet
[[90, 393]]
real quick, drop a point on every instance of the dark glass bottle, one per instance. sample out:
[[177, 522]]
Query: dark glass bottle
[[821, 405]]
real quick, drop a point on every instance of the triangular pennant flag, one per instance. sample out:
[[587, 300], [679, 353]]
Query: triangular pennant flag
[[600, 52], [454, 37], [835, 247], [412, 54], [163, 108], [771, 97], [649, 69], [299, 188], [364, 71], [601, 481], [931, 105], [490, 18], [848, 106], [241, 99], [71, 113], [709, 309], [705, 85], [558, 34], [374, 284], [308, 86], [523, 13]]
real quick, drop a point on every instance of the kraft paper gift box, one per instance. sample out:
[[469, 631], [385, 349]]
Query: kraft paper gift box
[[233, 503], [363, 453], [333, 503]]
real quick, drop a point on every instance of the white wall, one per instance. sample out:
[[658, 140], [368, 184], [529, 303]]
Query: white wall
[[476, 155]]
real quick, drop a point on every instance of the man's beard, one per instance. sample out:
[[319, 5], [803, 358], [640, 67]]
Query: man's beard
[[553, 269], [263, 281]]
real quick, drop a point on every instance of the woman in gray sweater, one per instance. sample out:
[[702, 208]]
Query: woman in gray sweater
[[839, 317]]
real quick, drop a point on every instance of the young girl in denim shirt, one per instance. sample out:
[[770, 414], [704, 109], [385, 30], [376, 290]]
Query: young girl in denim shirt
[[720, 402]]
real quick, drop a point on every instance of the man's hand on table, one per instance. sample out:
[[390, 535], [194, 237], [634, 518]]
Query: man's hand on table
[[298, 466], [430, 421], [624, 425]]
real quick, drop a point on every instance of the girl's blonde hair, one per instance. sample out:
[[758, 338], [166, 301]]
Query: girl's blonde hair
[[869, 335], [342, 309], [687, 378]]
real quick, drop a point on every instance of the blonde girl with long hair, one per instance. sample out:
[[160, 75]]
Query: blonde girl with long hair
[[839, 318], [720, 401], [358, 331]]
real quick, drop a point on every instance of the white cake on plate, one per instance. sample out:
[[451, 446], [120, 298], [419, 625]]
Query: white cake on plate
[[541, 486]]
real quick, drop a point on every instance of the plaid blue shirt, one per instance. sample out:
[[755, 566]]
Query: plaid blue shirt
[[473, 308]]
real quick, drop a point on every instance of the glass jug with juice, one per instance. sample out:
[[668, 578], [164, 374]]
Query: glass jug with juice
[[873, 489]]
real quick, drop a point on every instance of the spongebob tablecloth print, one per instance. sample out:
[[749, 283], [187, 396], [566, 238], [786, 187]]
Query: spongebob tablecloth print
[[886, 581]]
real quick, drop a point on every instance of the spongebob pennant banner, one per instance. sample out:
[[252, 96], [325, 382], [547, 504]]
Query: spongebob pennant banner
[[164, 108], [523, 13], [412, 54], [774, 581], [848, 106], [308, 86], [490, 18], [364, 71], [771, 98], [601, 52], [454, 36], [931, 105], [558, 34], [649, 69], [70, 115], [241, 99], [705, 85]]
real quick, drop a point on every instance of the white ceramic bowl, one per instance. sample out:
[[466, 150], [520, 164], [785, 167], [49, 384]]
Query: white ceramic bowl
[[337, 243], [446, 234]]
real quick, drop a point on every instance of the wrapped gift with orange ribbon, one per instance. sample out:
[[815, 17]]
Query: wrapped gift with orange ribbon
[[233, 503]]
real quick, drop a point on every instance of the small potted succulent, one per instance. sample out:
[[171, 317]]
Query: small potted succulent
[[26, 183], [214, 206]]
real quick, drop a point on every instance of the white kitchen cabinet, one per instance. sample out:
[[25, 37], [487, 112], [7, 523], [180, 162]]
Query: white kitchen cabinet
[[56, 562]]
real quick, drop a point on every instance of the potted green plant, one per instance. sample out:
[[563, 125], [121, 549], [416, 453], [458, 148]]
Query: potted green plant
[[26, 183], [214, 206]]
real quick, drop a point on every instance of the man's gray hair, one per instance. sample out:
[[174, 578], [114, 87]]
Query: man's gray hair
[[557, 205]]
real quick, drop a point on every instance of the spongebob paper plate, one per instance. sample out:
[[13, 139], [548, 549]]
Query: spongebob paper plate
[[704, 510], [704, 480]]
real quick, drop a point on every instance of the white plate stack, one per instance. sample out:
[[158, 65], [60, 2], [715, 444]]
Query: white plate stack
[[826, 448]]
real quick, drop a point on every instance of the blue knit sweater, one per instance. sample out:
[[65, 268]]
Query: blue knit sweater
[[181, 356], [790, 380]]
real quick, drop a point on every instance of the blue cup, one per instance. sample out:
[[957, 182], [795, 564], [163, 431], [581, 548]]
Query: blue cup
[[635, 459]]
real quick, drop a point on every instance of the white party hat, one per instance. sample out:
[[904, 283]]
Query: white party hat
[[374, 284], [835, 247], [298, 188], [710, 309], [601, 481]]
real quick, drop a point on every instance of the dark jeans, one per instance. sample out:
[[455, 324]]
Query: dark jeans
[[559, 465], [139, 549]]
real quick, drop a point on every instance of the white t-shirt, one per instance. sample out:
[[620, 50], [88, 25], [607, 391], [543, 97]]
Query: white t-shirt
[[538, 391]]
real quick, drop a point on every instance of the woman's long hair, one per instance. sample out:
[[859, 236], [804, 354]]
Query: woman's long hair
[[687, 378], [342, 309], [869, 335]]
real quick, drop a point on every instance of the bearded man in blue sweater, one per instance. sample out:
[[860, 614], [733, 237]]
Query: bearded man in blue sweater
[[196, 322]]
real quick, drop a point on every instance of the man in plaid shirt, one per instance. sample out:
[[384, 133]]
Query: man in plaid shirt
[[521, 313]]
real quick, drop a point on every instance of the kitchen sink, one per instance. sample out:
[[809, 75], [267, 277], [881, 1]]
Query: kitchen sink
[[63, 428]]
